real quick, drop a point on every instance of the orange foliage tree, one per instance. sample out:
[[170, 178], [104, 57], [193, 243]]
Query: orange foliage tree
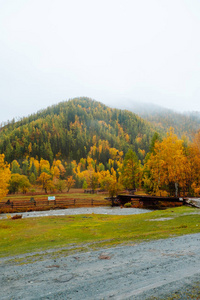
[[5, 175], [194, 159], [45, 180], [70, 182], [168, 167], [110, 183]]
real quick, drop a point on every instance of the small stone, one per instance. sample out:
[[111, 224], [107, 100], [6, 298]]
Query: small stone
[[104, 256]]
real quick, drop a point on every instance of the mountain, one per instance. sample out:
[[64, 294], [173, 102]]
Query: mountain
[[184, 124], [69, 129]]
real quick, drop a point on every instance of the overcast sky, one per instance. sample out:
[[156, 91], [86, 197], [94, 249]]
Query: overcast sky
[[108, 50]]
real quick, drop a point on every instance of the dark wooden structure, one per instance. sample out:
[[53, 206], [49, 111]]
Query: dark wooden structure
[[153, 202], [34, 204]]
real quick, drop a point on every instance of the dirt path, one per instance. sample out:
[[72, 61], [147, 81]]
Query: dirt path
[[152, 270]]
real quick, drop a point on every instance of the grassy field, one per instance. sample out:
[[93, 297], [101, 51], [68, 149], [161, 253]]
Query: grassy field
[[94, 231], [73, 193]]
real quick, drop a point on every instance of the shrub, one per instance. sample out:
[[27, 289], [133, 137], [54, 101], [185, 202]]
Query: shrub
[[128, 204]]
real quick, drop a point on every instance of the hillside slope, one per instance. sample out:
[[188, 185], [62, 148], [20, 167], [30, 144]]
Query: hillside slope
[[184, 124], [69, 129]]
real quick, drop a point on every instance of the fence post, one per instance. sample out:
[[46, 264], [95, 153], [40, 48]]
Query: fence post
[[32, 200], [92, 202]]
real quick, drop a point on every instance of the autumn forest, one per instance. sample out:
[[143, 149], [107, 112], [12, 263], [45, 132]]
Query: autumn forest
[[83, 143]]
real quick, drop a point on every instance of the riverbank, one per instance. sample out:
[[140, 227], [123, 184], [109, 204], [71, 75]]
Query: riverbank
[[107, 210]]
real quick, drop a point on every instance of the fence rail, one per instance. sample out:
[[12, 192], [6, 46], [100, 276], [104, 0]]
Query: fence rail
[[44, 204]]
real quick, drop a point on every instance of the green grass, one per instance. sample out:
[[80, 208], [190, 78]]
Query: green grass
[[75, 194], [36, 234]]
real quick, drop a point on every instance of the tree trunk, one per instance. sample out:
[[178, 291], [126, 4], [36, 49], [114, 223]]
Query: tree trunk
[[176, 189]]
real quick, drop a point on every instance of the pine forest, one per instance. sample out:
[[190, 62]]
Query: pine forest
[[83, 143]]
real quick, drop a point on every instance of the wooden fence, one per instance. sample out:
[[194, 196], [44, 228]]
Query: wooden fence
[[44, 204]]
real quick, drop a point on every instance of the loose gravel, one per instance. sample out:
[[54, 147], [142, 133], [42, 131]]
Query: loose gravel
[[151, 270], [81, 210]]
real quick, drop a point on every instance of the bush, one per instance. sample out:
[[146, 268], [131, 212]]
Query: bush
[[128, 204], [161, 193]]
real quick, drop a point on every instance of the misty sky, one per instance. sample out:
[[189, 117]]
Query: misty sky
[[108, 50]]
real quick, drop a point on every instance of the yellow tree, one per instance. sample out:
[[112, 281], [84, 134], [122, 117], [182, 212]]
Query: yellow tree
[[168, 165], [19, 182], [109, 183], [44, 166], [24, 184], [194, 159], [57, 163], [70, 182], [5, 175], [45, 180], [90, 176], [55, 172]]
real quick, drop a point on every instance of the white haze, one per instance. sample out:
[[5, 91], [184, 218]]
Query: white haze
[[114, 51]]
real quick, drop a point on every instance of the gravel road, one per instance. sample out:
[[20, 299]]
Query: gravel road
[[151, 270]]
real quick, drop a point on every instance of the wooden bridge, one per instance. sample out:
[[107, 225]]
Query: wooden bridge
[[153, 202]]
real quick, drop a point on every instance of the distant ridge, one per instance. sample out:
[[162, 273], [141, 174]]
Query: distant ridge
[[184, 124]]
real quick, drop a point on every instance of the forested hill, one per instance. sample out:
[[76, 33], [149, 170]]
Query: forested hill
[[162, 119], [69, 129]]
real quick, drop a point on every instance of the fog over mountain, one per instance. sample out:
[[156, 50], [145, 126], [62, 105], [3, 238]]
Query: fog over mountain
[[110, 51]]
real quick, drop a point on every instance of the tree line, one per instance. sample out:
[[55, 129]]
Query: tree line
[[170, 168]]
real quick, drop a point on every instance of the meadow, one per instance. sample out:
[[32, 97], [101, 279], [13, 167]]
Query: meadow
[[69, 233]]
